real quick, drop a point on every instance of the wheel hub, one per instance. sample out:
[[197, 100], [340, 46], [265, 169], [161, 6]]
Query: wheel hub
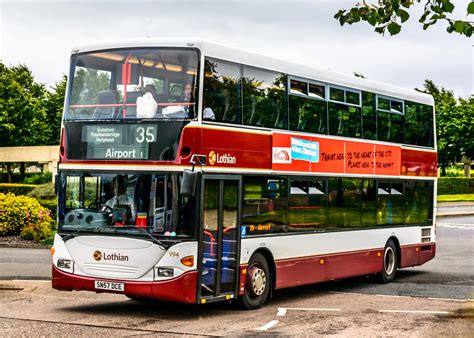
[[389, 261], [257, 281]]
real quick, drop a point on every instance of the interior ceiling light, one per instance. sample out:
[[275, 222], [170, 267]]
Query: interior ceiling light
[[173, 68], [109, 56]]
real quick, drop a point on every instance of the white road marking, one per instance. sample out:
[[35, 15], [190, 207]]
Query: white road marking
[[418, 312], [410, 297], [268, 325], [455, 225], [452, 300], [395, 296], [283, 310]]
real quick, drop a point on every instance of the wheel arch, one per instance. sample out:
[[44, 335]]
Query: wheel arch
[[267, 254], [397, 246]]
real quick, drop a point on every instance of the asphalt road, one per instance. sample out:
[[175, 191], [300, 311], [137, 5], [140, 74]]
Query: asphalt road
[[20, 263], [432, 300], [449, 275], [455, 208]]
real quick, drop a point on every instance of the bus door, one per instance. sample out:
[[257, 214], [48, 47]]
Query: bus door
[[219, 249]]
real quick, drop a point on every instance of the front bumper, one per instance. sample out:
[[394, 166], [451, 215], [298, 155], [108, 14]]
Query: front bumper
[[180, 289]]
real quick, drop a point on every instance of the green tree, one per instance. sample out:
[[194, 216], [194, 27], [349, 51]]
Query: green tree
[[54, 109], [391, 14], [22, 110], [454, 125]]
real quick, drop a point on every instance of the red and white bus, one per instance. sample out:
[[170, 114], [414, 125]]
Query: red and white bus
[[195, 172]]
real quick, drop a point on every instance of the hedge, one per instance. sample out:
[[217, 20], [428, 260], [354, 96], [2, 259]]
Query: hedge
[[25, 216], [455, 185], [16, 188]]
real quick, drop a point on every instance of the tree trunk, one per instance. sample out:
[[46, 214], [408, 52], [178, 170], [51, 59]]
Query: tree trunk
[[9, 173], [443, 169], [467, 166], [22, 171]]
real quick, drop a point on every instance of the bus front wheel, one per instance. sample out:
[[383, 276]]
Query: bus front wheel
[[257, 283], [390, 262]]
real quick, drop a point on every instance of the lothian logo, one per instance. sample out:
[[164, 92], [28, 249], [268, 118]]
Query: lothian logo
[[221, 159], [109, 257], [97, 255], [281, 155]]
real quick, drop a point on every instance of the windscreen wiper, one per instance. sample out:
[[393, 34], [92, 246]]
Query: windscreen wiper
[[73, 234], [162, 245]]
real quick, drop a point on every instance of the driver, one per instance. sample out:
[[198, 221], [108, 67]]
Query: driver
[[120, 197]]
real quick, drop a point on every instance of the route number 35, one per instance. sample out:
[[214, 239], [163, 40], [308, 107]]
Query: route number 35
[[145, 134]]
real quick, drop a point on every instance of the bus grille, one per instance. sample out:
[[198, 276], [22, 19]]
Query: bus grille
[[99, 269]]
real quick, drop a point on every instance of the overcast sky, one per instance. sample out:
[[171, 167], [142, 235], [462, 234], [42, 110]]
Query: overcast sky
[[41, 35]]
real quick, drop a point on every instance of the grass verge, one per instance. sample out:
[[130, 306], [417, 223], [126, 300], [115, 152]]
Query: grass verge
[[456, 198]]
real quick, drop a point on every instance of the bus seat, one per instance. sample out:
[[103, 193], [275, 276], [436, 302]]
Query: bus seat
[[132, 99], [106, 97]]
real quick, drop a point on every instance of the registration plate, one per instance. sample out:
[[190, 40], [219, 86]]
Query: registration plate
[[109, 286]]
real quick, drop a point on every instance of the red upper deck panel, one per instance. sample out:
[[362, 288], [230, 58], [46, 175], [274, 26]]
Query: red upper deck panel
[[239, 148], [419, 163]]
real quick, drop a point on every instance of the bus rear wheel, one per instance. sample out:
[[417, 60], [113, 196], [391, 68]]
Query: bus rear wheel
[[257, 283], [390, 262]]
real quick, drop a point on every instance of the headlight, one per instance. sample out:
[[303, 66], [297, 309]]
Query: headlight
[[65, 264], [165, 272]]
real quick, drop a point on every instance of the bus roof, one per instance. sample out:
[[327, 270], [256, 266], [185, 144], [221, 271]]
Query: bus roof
[[227, 53]]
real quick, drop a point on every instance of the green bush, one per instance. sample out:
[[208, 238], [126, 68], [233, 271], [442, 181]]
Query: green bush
[[52, 205], [25, 216], [40, 178], [46, 196], [43, 192], [16, 188], [455, 185]]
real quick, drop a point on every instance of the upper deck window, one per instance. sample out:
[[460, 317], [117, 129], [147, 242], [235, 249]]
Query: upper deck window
[[390, 119], [222, 91], [344, 110], [307, 107], [264, 98], [133, 84]]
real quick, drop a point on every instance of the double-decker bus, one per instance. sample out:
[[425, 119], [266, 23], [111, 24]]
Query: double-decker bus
[[195, 172]]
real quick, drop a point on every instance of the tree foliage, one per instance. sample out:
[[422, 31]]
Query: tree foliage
[[29, 114], [454, 124], [22, 111], [54, 109], [389, 15]]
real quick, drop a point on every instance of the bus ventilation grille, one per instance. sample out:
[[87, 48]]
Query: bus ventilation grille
[[426, 235]]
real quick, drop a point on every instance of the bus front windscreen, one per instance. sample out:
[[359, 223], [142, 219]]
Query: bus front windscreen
[[130, 204], [147, 83]]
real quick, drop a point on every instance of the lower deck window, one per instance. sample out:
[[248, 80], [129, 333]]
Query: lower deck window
[[125, 202], [316, 204]]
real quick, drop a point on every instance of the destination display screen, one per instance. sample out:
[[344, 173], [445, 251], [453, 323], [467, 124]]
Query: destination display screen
[[123, 141], [117, 142]]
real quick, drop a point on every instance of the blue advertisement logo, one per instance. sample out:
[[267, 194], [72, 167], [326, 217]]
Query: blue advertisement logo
[[243, 231], [304, 150]]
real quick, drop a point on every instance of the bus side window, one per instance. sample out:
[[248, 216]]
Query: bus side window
[[222, 92], [265, 98]]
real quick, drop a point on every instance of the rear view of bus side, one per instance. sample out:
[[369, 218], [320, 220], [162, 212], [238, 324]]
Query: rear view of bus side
[[195, 172]]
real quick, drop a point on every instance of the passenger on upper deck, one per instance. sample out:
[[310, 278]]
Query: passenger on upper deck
[[146, 104], [149, 88], [187, 91], [207, 112]]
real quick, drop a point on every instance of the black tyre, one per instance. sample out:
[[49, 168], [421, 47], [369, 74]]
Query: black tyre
[[257, 283], [390, 263]]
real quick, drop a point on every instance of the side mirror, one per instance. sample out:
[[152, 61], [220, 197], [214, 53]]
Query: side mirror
[[188, 184]]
